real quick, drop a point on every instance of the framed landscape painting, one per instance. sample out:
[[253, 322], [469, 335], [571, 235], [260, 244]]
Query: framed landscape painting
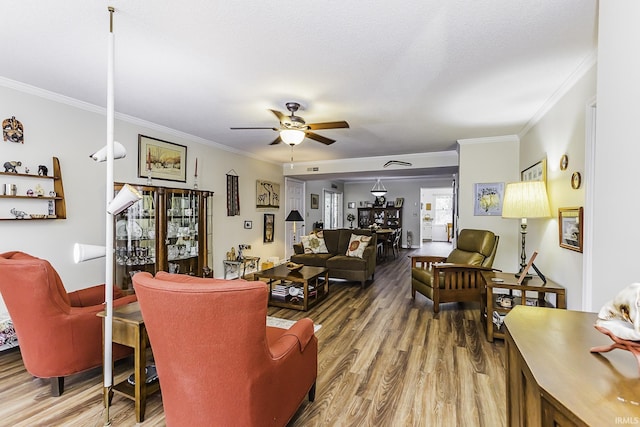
[[160, 159], [570, 228]]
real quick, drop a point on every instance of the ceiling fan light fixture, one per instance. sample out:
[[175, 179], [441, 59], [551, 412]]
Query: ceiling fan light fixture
[[378, 189], [292, 136]]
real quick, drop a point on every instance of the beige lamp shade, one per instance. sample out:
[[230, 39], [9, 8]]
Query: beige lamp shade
[[527, 199]]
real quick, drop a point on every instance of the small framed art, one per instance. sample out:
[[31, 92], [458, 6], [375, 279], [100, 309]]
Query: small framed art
[[570, 228], [488, 199], [248, 225], [269, 220], [315, 201]]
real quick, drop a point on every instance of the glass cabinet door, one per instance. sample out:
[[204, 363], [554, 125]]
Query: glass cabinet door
[[182, 231], [135, 238]]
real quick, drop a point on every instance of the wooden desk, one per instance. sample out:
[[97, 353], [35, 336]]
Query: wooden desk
[[553, 379], [129, 330], [510, 282]]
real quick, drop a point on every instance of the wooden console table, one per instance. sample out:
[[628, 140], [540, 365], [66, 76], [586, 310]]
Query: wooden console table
[[129, 330], [553, 379]]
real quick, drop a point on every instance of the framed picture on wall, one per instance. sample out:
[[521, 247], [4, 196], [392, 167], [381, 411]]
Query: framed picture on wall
[[161, 159], [315, 201], [535, 172], [488, 199], [269, 220], [570, 228], [267, 194]]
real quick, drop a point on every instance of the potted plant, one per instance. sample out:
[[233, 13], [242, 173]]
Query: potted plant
[[351, 217]]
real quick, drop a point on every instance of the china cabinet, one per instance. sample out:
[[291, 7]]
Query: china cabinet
[[389, 217], [165, 231], [25, 199]]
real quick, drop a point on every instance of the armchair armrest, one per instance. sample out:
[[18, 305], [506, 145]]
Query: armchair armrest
[[425, 262], [94, 295], [300, 333]]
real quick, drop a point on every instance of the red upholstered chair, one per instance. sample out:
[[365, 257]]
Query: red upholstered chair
[[58, 332], [217, 361]]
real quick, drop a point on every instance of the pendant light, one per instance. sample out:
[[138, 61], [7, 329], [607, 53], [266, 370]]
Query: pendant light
[[378, 189]]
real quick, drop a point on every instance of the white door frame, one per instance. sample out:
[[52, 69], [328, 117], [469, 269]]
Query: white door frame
[[295, 191]]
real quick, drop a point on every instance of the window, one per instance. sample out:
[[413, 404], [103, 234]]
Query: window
[[444, 209], [332, 209]]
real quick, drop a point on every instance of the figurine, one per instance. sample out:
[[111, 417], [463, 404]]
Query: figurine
[[26, 170], [42, 170], [39, 190], [11, 166], [12, 130], [18, 214]]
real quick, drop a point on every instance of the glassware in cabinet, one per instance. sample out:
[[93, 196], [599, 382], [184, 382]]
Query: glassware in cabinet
[[135, 236]]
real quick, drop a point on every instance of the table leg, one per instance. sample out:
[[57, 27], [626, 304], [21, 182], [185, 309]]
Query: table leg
[[562, 301], [489, 314], [140, 353]]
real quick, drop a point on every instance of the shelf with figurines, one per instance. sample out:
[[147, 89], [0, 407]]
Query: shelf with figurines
[[26, 201]]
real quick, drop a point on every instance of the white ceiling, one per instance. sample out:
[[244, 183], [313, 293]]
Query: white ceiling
[[409, 77]]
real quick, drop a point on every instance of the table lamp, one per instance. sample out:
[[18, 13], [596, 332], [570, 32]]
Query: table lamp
[[294, 216], [526, 199]]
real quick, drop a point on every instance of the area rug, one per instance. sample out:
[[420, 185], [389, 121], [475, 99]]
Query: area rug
[[276, 322]]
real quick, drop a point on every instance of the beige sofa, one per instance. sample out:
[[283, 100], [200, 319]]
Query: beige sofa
[[339, 264]]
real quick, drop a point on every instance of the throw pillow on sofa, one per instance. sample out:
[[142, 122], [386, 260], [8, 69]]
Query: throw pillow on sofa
[[314, 244], [357, 244]]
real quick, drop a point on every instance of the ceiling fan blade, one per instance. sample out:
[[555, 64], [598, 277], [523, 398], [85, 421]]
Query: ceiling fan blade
[[253, 128], [320, 138], [328, 125], [279, 115], [278, 140]]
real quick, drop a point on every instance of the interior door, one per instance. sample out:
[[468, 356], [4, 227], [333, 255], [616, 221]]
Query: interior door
[[295, 191]]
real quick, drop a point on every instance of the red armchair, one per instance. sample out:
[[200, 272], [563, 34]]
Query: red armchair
[[58, 332], [217, 361]]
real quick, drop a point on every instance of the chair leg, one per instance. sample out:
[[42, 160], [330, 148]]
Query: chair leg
[[312, 393], [57, 386]]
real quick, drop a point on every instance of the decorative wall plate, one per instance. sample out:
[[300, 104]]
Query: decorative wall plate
[[564, 162], [576, 180]]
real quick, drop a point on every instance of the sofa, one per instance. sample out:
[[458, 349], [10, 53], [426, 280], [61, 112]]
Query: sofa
[[334, 256]]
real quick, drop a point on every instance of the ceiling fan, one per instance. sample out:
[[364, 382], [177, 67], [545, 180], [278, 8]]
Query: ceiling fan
[[293, 129]]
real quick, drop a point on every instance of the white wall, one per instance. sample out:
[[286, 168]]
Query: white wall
[[616, 203], [317, 187], [560, 131], [489, 160], [71, 131]]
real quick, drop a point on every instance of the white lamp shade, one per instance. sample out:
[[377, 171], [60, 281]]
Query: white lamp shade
[[83, 253], [378, 189], [126, 197], [292, 136], [119, 152], [527, 199]]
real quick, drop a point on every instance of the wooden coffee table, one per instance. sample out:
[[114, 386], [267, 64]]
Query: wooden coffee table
[[311, 286]]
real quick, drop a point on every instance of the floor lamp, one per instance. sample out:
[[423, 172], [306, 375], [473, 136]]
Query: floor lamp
[[294, 216], [525, 199], [126, 197]]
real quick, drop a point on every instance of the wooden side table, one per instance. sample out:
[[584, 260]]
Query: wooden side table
[[230, 266], [129, 330], [508, 281]]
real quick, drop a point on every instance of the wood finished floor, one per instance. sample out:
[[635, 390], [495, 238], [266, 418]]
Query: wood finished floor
[[383, 360]]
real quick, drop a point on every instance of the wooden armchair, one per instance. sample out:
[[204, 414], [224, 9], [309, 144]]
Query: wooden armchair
[[457, 277]]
